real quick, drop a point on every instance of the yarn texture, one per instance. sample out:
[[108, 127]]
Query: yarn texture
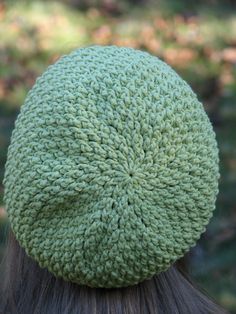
[[112, 169]]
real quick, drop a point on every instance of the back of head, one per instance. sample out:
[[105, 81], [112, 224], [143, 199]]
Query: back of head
[[111, 176], [30, 289]]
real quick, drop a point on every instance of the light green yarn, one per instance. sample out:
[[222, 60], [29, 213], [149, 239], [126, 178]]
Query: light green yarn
[[112, 169]]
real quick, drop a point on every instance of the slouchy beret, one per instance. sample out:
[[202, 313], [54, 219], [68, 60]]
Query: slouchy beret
[[112, 168]]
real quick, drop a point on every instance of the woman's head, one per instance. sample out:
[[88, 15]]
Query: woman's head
[[112, 170], [29, 289]]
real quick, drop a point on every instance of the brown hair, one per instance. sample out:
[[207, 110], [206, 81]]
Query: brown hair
[[29, 289]]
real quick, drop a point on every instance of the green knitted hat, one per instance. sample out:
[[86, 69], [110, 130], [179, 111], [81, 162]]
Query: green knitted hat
[[112, 169]]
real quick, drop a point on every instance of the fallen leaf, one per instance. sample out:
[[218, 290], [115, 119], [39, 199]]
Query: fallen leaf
[[229, 55]]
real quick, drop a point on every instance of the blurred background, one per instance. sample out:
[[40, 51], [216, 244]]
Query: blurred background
[[197, 38]]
